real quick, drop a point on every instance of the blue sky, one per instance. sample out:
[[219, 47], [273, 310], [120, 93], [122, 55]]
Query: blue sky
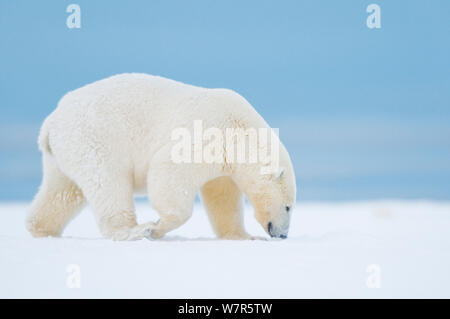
[[364, 112]]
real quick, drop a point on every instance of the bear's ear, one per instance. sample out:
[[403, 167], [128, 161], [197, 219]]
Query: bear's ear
[[278, 174]]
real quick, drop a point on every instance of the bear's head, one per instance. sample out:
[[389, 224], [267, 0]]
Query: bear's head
[[275, 201], [273, 197]]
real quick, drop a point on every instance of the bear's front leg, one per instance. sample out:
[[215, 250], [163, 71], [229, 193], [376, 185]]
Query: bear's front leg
[[123, 226], [113, 205], [168, 222], [223, 203], [171, 189], [174, 209]]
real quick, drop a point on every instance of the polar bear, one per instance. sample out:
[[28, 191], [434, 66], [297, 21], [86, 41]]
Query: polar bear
[[111, 139]]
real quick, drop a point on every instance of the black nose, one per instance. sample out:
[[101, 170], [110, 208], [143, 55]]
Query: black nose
[[269, 228]]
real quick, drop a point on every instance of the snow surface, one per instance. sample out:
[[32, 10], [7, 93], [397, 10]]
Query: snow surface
[[327, 255]]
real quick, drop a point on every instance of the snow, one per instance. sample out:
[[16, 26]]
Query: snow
[[328, 254]]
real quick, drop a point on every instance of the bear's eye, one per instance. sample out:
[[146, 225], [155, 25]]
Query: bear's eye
[[288, 208]]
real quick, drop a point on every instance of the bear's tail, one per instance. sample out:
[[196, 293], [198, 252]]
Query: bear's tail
[[43, 141]]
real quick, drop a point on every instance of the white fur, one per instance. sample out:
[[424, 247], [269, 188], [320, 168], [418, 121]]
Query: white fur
[[112, 138]]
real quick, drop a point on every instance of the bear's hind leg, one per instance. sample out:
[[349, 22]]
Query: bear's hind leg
[[223, 203], [57, 202]]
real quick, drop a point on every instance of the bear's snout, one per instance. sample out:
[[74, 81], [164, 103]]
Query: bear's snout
[[274, 232]]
